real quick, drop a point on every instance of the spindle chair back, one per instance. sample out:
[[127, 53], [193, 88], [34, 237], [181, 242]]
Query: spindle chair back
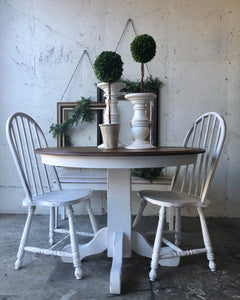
[[24, 136], [207, 132]]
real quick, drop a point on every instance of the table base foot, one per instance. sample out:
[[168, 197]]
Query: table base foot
[[97, 245], [142, 247], [116, 270]]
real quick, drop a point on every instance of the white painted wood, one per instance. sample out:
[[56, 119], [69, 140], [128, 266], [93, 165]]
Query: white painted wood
[[207, 240], [178, 226], [48, 252], [74, 243], [157, 244], [170, 218], [207, 132], [59, 230], [119, 208], [115, 88], [142, 247], [116, 269], [24, 135], [140, 124], [117, 162], [52, 226], [97, 245], [99, 181], [91, 215], [139, 214], [24, 238]]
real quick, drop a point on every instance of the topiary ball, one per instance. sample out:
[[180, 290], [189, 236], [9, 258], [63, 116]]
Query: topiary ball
[[108, 66], [143, 48]]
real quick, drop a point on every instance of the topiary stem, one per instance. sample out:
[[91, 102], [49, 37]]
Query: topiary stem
[[142, 75], [109, 103]]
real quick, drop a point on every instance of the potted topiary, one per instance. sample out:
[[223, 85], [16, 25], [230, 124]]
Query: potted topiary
[[108, 69], [143, 49]]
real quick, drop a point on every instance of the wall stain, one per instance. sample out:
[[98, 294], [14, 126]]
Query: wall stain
[[55, 56]]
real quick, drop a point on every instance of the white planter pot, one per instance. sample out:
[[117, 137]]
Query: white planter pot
[[140, 125], [110, 133]]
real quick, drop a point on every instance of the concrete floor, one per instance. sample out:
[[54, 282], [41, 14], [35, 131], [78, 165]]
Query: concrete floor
[[45, 277]]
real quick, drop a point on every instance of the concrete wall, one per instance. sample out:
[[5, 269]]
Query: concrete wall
[[198, 57]]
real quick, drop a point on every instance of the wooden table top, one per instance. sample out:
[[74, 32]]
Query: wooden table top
[[94, 151]]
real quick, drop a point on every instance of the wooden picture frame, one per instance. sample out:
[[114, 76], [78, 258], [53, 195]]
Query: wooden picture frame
[[63, 110]]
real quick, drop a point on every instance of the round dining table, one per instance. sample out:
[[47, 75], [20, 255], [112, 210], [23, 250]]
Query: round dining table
[[118, 237]]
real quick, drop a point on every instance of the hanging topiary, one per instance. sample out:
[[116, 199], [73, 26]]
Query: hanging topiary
[[108, 67], [143, 49]]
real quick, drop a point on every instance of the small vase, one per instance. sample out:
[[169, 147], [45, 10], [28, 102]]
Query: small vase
[[110, 133], [140, 125]]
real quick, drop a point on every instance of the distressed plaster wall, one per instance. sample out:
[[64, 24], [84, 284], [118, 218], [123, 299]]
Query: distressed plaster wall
[[198, 61]]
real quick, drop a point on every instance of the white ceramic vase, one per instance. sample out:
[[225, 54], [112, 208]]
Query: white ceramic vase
[[140, 124]]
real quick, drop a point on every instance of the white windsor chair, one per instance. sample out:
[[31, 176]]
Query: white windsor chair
[[189, 188], [24, 135]]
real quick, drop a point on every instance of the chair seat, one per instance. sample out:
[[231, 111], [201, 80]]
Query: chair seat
[[172, 199], [58, 198]]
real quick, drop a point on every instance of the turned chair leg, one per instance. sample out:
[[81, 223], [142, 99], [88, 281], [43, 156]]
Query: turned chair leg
[[24, 238], [74, 243], [178, 226], [56, 217], [52, 223], [206, 239], [139, 214], [91, 216], [157, 244]]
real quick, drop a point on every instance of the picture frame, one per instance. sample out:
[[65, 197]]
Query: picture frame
[[65, 108]]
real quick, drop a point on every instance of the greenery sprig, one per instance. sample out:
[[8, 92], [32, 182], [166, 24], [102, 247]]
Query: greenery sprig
[[148, 173], [150, 85], [80, 114]]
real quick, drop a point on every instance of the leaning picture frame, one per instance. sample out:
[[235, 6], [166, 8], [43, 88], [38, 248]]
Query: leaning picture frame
[[64, 110]]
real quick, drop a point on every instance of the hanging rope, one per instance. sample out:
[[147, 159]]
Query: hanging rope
[[85, 52], [75, 70], [129, 22]]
